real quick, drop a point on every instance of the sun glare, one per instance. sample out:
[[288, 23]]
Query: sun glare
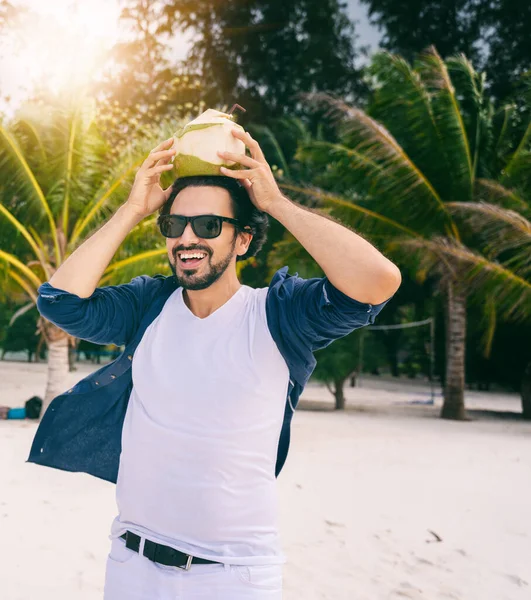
[[59, 44]]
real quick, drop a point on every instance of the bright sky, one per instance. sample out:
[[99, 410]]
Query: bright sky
[[60, 43], [63, 42]]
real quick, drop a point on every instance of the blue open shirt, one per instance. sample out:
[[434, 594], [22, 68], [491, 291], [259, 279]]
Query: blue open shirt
[[82, 428]]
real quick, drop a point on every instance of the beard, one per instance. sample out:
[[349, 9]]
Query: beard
[[190, 280]]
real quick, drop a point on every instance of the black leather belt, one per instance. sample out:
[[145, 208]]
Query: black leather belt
[[163, 555]]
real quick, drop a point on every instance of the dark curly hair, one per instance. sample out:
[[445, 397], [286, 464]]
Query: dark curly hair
[[244, 210]]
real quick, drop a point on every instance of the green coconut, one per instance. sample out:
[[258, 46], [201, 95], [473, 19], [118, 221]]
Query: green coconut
[[197, 144]]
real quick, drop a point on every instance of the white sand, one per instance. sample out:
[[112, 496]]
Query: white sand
[[359, 495]]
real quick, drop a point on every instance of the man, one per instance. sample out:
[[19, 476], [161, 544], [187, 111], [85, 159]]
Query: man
[[192, 421]]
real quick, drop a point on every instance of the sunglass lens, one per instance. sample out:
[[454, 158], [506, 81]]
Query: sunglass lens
[[172, 226], [207, 227]]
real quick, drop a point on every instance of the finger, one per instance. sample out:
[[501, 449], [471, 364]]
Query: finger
[[247, 184], [153, 158], [167, 160], [240, 158], [237, 174], [166, 145], [250, 142], [167, 191], [158, 169], [163, 145]]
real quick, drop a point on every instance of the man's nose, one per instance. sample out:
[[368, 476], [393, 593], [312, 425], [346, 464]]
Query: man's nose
[[188, 236]]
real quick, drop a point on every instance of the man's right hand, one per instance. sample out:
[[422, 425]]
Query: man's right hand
[[147, 196]]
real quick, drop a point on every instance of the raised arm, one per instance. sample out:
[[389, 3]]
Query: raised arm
[[352, 265], [83, 269], [111, 314]]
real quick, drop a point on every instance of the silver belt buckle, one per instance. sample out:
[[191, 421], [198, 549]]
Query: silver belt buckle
[[188, 565]]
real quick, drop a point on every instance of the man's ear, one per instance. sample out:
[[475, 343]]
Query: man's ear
[[247, 236]]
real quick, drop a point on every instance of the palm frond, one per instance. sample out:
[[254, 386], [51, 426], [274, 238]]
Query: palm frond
[[398, 181], [489, 329], [122, 271], [265, 134], [95, 207], [78, 161], [449, 121], [296, 127], [519, 176], [69, 168], [21, 311], [40, 243], [26, 235], [370, 222], [24, 126], [486, 190], [114, 185], [470, 87], [508, 111], [23, 284], [289, 251], [28, 190], [522, 147], [500, 231], [402, 103], [484, 215], [21, 267], [482, 277]]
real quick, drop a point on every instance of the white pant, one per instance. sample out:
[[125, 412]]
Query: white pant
[[132, 576]]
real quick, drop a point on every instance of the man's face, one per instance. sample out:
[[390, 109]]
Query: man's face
[[220, 251]]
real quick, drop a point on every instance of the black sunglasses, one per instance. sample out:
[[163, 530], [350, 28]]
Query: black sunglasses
[[204, 226]]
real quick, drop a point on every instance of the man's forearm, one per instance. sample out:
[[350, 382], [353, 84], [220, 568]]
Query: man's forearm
[[352, 264], [83, 269]]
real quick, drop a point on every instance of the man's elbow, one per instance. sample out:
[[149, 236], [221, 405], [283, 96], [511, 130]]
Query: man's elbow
[[387, 284]]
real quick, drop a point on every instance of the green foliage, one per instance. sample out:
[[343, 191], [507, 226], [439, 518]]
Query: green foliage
[[63, 185], [22, 334], [279, 141], [494, 34], [338, 360], [428, 173], [261, 54], [412, 171], [140, 87]]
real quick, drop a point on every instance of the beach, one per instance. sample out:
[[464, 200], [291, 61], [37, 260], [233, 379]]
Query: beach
[[383, 501]]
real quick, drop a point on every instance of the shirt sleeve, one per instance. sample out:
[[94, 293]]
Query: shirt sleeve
[[111, 315], [313, 312]]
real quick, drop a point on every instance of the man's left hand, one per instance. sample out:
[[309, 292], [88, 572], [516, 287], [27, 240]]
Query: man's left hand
[[258, 179]]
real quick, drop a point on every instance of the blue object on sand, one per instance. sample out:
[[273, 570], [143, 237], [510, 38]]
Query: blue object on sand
[[17, 413]]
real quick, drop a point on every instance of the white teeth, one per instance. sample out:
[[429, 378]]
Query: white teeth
[[192, 255]]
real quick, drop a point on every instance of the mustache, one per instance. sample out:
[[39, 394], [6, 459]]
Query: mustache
[[191, 249]]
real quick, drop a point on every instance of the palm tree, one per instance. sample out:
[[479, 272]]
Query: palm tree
[[502, 237], [60, 182], [406, 171]]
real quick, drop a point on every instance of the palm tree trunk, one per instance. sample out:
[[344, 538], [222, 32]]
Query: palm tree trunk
[[38, 350], [57, 342], [339, 393], [526, 392], [454, 387]]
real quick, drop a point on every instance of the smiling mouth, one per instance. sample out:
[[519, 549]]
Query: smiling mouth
[[190, 260]]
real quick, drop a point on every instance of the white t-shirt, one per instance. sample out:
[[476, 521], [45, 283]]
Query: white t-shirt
[[200, 437]]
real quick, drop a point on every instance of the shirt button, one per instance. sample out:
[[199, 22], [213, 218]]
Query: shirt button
[[69, 391], [97, 382], [113, 376], [130, 356]]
